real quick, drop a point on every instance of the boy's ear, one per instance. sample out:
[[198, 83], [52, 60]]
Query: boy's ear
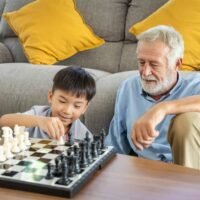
[[50, 94], [85, 108]]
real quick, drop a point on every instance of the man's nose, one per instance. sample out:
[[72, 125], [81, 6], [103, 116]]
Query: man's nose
[[146, 70]]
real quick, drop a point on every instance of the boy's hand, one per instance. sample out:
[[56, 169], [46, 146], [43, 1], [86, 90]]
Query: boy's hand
[[53, 126]]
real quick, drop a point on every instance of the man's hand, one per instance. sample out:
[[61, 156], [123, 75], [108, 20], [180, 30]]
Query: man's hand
[[53, 126], [144, 132]]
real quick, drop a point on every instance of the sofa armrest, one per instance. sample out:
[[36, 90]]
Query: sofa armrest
[[5, 55]]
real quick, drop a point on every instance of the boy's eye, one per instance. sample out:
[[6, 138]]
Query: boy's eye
[[77, 106], [61, 101]]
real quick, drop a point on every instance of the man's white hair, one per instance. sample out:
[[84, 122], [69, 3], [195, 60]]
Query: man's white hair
[[170, 37]]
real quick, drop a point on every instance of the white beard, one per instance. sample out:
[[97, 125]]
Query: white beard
[[156, 87]]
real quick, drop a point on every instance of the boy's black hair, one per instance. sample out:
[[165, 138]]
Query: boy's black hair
[[75, 80]]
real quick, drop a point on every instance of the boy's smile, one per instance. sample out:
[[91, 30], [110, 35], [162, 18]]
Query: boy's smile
[[66, 106]]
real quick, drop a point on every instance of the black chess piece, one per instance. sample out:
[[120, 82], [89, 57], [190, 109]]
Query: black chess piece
[[49, 172], [97, 140], [94, 151], [70, 141], [87, 138], [83, 159], [71, 165], [77, 165], [57, 171], [65, 179], [76, 150], [88, 152], [102, 138]]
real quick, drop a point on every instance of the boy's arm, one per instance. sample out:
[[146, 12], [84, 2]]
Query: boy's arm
[[51, 125], [144, 131]]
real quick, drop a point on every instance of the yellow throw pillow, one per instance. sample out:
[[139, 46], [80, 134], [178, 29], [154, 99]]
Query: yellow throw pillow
[[184, 16], [51, 30]]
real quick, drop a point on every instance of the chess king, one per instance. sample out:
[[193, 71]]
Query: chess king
[[69, 97]]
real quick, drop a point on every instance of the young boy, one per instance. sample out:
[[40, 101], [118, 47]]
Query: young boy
[[69, 97]]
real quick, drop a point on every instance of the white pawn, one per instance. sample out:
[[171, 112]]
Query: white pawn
[[2, 156], [22, 146], [26, 138], [15, 148], [7, 150], [61, 141]]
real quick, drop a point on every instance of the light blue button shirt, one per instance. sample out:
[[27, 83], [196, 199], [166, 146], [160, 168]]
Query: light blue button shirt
[[132, 102]]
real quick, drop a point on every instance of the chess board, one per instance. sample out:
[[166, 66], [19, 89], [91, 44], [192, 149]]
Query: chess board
[[27, 170]]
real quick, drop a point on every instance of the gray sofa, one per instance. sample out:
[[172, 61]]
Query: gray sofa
[[23, 85]]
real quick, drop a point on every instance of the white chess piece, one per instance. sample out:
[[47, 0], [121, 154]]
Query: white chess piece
[[26, 138], [2, 156], [6, 135], [15, 148], [7, 150], [22, 145], [61, 141]]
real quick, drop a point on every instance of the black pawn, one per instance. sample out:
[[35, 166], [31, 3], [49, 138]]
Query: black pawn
[[94, 151], [49, 172], [77, 166], [102, 138], [57, 172]]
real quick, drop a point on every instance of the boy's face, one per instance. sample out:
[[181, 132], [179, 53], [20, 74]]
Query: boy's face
[[66, 107]]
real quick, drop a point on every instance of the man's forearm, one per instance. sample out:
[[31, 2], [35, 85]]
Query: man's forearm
[[187, 104]]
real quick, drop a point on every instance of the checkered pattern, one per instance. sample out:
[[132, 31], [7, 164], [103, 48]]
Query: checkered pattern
[[30, 166]]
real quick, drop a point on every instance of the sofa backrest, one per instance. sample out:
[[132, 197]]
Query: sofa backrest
[[110, 19]]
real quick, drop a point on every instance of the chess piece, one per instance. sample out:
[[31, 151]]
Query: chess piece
[[57, 171], [49, 173], [65, 179], [7, 144], [83, 159], [22, 145], [7, 151], [94, 151], [61, 141], [102, 138], [70, 141], [2, 156], [26, 139], [15, 148]]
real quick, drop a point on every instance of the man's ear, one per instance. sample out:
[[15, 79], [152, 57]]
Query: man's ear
[[50, 94], [179, 63]]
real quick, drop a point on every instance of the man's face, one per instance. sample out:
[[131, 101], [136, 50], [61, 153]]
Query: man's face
[[66, 107], [156, 77]]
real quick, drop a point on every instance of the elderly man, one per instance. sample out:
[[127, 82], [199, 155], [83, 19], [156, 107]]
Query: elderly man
[[147, 104]]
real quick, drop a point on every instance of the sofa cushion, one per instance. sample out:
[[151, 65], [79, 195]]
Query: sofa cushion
[[184, 16], [5, 55], [10, 5], [138, 10], [108, 25], [51, 30]]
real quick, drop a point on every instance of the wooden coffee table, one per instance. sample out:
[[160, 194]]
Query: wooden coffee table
[[127, 177]]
